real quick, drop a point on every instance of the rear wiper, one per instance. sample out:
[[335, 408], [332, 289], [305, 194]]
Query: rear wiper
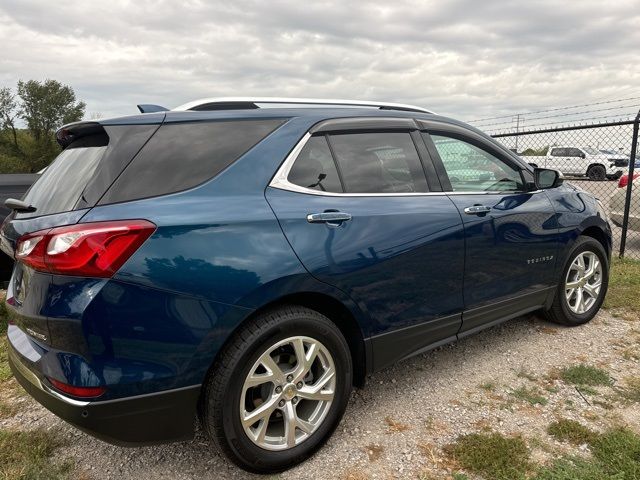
[[18, 205]]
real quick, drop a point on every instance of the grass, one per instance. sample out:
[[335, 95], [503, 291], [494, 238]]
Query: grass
[[570, 431], [492, 455], [488, 386], [7, 409], [395, 426], [5, 372], [522, 373], [616, 456], [583, 374], [27, 455], [631, 390], [529, 395], [624, 284]]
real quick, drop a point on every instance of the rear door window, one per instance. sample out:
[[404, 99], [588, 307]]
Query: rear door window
[[558, 152], [379, 163], [180, 156], [314, 168], [574, 152]]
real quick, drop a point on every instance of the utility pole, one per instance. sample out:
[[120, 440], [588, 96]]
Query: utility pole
[[517, 119]]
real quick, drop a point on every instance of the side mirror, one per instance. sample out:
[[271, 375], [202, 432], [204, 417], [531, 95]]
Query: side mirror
[[547, 178]]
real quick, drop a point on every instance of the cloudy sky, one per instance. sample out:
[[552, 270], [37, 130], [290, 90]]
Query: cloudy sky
[[465, 58]]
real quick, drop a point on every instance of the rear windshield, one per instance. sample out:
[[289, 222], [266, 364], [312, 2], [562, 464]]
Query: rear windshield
[[180, 156], [62, 183]]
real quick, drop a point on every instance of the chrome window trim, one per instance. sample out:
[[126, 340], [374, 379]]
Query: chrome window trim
[[281, 182]]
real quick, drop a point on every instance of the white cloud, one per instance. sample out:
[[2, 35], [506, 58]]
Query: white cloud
[[464, 58]]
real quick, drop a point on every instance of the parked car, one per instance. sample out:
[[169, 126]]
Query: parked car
[[12, 185], [251, 264], [581, 162], [619, 199]]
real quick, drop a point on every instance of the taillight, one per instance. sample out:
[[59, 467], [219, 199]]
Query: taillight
[[86, 249], [82, 392], [624, 180]]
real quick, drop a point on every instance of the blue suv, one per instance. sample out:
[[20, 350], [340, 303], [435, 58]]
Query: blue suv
[[248, 261]]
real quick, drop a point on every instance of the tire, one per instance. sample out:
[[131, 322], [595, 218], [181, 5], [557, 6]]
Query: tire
[[597, 173], [224, 391], [565, 311]]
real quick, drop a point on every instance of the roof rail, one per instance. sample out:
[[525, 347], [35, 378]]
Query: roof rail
[[245, 103]]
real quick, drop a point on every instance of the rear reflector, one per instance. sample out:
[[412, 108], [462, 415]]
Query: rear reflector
[[82, 392], [86, 249]]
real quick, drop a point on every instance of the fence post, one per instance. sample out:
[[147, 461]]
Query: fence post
[[627, 202]]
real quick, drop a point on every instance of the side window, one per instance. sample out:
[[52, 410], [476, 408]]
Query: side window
[[314, 168], [558, 152], [473, 169], [182, 155], [379, 163], [574, 152]]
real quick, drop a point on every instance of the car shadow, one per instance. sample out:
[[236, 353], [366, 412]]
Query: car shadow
[[198, 458]]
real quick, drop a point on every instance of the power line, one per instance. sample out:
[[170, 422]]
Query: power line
[[584, 112], [629, 116], [556, 109]]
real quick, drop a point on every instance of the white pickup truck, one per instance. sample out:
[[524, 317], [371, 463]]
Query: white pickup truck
[[581, 162]]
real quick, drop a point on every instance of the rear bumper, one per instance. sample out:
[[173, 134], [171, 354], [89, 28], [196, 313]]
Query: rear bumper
[[132, 421], [634, 220]]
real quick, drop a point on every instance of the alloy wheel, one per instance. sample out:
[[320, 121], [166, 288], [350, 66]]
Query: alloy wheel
[[288, 393], [583, 282]]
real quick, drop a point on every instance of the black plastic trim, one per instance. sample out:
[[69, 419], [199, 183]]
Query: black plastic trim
[[391, 347], [477, 319], [475, 138], [433, 179], [132, 421]]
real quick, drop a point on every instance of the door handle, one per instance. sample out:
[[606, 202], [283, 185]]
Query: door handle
[[477, 210], [330, 218]]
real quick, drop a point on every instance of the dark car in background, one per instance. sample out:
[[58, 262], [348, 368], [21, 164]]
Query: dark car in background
[[12, 185], [249, 261]]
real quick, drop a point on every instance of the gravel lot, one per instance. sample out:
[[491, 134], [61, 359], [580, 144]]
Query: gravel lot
[[397, 425]]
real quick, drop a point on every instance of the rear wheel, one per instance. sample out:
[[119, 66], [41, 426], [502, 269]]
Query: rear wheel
[[583, 284], [597, 173], [279, 389]]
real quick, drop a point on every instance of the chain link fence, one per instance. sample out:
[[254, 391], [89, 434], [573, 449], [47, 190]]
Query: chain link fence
[[600, 158]]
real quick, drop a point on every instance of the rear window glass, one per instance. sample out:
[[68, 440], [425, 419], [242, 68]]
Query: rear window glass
[[181, 156], [62, 183]]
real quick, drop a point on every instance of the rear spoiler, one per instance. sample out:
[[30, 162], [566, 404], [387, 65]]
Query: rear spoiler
[[150, 108], [66, 135]]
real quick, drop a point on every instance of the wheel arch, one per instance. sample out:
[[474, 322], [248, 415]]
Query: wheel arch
[[598, 234], [340, 315], [329, 306], [596, 165]]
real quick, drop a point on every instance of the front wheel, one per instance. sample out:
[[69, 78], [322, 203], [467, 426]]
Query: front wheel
[[279, 389], [597, 173], [583, 284]]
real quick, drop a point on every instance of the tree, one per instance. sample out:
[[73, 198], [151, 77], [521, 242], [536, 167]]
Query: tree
[[47, 106], [535, 152], [8, 113]]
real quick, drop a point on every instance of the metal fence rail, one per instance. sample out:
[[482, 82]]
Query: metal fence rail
[[601, 158]]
